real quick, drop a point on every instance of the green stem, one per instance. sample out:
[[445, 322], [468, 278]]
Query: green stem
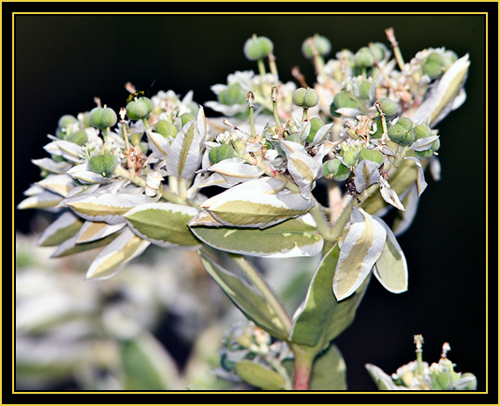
[[304, 114], [254, 277], [105, 134], [303, 367], [252, 123], [324, 227]]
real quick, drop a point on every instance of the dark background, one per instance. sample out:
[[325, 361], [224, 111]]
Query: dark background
[[63, 61]]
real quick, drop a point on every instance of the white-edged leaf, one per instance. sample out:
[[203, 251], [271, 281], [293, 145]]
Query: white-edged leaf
[[348, 112], [360, 250], [116, 255], [366, 173], [391, 269], [50, 165], [403, 220], [291, 147], [304, 130], [42, 200], [423, 144], [164, 224], [60, 184], [70, 247], [304, 170], [292, 238], [107, 207], [258, 203], [63, 228], [185, 155], [443, 95], [235, 170], [93, 231], [81, 173], [421, 183], [321, 134], [382, 380], [158, 144], [389, 195], [68, 150]]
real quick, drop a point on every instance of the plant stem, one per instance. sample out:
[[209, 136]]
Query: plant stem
[[303, 367], [254, 276]]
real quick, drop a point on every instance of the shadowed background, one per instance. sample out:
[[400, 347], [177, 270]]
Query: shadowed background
[[63, 62]]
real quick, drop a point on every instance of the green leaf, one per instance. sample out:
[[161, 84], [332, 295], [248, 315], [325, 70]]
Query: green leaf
[[329, 371], [322, 317], [251, 303], [382, 380], [163, 224], [146, 365], [291, 238], [62, 229], [259, 376]]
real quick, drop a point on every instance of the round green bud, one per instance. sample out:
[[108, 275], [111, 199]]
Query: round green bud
[[102, 117], [422, 131], [166, 128], [471, 385], [406, 123], [335, 169], [365, 89], [78, 137], [316, 124], [432, 69], [86, 121], [139, 108], [218, 154], [305, 98], [401, 135], [321, 44], [365, 153], [257, 48], [349, 158], [364, 57], [449, 58], [186, 118], [103, 164], [66, 120], [378, 50], [388, 106], [233, 94], [429, 152], [443, 381], [378, 157], [435, 57]]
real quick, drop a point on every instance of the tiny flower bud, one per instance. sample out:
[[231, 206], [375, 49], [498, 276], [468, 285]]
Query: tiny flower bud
[[66, 120], [401, 135], [406, 123], [257, 48], [166, 128], [388, 107], [349, 158]]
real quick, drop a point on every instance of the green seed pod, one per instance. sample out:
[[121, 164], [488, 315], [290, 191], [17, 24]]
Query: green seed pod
[[137, 109], [186, 118], [435, 57], [471, 385], [364, 57], [429, 152], [444, 381], [349, 158], [102, 117], [431, 69], [234, 94], [103, 164], [257, 48], [66, 120], [335, 169], [166, 128], [316, 124], [401, 135], [78, 137], [321, 44], [86, 121], [266, 45], [305, 98], [217, 154], [406, 123], [366, 90], [422, 131], [378, 157], [378, 50], [365, 153], [449, 59], [388, 106]]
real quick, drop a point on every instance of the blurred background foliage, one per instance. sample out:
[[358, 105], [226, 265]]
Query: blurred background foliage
[[63, 61]]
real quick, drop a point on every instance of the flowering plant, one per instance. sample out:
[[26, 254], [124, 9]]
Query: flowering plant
[[365, 131]]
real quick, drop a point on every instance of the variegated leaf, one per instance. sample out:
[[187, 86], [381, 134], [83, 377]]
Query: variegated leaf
[[382, 380], [403, 220], [423, 144], [257, 203], [50, 165], [366, 173], [292, 238], [107, 207], [360, 250], [93, 231], [63, 228], [389, 195], [164, 224], [442, 97], [421, 183], [348, 112], [60, 184], [391, 269], [235, 170], [291, 147], [185, 155], [42, 200], [83, 175], [304, 130], [70, 247], [158, 144], [321, 134], [116, 255], [304, 170], [69, 150]]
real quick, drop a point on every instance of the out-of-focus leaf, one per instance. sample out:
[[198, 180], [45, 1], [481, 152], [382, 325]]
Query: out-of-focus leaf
[[50, 165], [42, 200], [164, 224], [329, 371], [71, 246], [361, 249], [421, 183], [292, 238], [391, 269], [257, 203], [116, 255], [62, 229], [93, 231], [382, 380], [259, 376], [251, 303]]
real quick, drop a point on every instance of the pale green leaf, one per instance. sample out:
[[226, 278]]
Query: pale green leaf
[[184, 156], [62, 229], [70, 246], [164, 224], [292, 238], [235, 170], [304, 170], [329, 371], [93, 231], [259, 376], [382, 380], [251, 303], [42, 200], [359, 252], [116, 255]]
